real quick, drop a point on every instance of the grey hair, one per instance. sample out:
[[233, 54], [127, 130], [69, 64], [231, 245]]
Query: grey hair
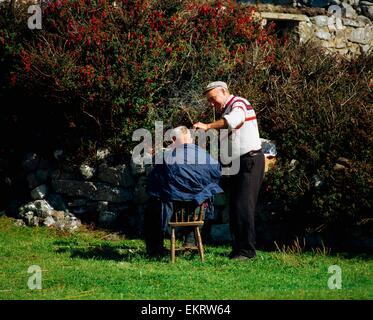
[[179, 131]]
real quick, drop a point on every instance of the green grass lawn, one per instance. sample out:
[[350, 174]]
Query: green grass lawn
[[98, 265]]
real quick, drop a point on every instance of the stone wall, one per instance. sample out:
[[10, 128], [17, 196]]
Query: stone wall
[[344, 27], [347, 31], [100, 191]]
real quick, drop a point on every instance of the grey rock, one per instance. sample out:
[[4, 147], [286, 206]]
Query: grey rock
[[101, 154], [352, 22], [66, 221], [49, 221], [320, 21], [93, 191], [305, 30], [56, 202], [363, 20], [334, 24], [112, 194], [323, 35], [74, 188], [35, 221], [28, 217], [361, 35], [39, 192], [58, 215], [86, 171], [27, 207], [348, 11], [73, 224], [40, 208], [43, 208], [19, 223], [117, 176]]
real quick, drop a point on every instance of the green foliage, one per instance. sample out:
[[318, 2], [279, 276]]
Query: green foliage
[[318, 110], [114, 69]]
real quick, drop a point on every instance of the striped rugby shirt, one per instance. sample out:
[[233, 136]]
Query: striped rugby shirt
[[242, 125]]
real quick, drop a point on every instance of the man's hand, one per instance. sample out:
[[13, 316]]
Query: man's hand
[[200, 125], [218, 124]]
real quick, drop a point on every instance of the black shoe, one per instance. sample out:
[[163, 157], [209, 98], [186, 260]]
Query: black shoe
[[232, 254]]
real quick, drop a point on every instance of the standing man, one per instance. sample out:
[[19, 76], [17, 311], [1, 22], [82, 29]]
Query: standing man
[[240, 119]]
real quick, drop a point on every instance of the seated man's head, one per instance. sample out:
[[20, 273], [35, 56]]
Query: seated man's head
[[181, 135]]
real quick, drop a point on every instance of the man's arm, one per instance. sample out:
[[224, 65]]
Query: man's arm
[[219, 124]]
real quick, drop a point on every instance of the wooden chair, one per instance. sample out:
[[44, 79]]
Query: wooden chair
[[186, 214]]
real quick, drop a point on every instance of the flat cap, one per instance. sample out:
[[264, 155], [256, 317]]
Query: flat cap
[[215, 84]]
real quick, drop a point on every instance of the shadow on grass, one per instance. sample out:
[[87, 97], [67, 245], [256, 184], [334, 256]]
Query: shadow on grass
[[116, 252], [102, 251]]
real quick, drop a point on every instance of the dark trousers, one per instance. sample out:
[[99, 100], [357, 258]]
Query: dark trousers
[[244, 190]]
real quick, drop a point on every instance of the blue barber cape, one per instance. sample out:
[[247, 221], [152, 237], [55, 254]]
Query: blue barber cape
[[188, 173]]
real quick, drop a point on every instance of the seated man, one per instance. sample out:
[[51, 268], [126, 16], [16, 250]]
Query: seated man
[[188, 173]]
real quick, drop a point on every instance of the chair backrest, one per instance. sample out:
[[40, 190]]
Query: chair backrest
[[184, 212]]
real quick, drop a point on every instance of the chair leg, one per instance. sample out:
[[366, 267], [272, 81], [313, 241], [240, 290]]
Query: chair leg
[[173, 245], [199, 243]]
